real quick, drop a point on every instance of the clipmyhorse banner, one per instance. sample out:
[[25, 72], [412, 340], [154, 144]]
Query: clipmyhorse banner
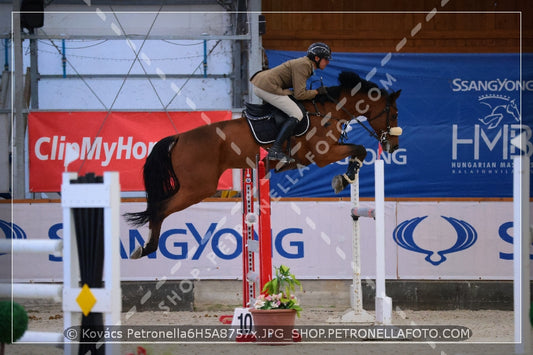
[[116, 141]]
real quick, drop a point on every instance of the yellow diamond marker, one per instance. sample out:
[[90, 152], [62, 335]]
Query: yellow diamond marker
[[86, 300]]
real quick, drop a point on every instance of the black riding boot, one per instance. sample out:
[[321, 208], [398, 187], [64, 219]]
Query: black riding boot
[[275, 152]]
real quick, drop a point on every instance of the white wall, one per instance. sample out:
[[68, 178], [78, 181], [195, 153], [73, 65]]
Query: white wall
[[172, 20], [313, 238], [115, 57]]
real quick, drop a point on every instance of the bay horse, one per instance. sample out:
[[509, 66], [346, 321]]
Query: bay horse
[[184, 169]]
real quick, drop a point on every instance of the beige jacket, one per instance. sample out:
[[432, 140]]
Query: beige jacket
[[291, 74]]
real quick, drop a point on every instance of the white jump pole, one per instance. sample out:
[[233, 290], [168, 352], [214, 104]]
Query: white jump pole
[[41, 337], [383, 303], [54, 247], [522, 241], [32, 291]]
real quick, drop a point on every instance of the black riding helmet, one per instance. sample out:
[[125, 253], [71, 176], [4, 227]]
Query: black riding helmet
[[319, 49]]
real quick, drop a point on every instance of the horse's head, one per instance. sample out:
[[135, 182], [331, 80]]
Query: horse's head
[[385, 123], [364, 98]]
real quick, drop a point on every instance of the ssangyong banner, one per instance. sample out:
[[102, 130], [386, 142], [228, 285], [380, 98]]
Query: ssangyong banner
[[459, 113], [116, 141], [423, 240]]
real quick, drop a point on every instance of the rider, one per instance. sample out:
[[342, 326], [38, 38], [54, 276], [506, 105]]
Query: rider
[[273, 86]]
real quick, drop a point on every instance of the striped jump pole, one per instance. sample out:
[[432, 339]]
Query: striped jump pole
[[256, 253], [357, 314], [383, 304]]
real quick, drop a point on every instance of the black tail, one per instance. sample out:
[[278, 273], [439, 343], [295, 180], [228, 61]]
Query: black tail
[[160, 182]]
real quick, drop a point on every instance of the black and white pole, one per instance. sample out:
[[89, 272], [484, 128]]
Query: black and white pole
[[105, 297]]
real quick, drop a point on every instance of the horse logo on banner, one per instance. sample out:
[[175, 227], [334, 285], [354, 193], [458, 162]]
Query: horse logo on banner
[[501, 107], [466, 237]]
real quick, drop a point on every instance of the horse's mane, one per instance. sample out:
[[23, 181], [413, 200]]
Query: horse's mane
[[348, 80]]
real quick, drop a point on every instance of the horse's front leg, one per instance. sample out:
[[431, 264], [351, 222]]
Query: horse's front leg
[[339, 182]]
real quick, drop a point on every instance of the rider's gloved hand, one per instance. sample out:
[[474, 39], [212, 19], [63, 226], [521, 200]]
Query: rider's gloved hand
[[322, 90]]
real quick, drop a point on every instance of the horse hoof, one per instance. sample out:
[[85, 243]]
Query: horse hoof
[[137, 253], [337, 183]]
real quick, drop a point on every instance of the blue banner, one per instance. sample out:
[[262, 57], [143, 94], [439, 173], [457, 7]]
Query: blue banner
[[459, 113]]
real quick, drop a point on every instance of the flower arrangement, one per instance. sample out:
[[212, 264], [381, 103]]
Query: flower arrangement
[[278, 292]]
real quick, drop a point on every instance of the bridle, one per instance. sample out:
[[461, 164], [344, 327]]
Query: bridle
[[382, 137]]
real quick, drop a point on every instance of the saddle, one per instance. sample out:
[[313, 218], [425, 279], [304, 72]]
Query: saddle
[[265, 121]]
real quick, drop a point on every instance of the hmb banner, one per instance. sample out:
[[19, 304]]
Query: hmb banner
[[459, 113]]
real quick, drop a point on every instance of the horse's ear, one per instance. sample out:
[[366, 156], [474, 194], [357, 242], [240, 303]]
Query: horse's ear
[[396, 94]]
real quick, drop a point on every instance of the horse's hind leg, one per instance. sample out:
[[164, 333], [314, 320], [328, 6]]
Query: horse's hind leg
[[186, 196], [153, 242]]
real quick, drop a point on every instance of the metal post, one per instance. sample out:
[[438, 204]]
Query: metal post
[[19, 121], [205, 59], [239, 80], [6, 54], [240, 55], [34, 72], [522, 241], [255, 59]]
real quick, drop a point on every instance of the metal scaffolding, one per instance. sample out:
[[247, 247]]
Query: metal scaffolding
[[246, 59]]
